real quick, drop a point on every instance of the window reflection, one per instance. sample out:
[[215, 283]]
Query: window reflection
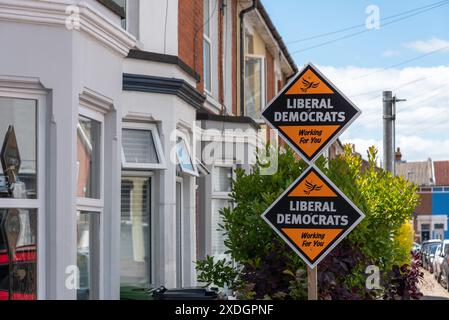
[[185, 161], [253, 87], [18, 254], [139, 147], [18, 139], [135, 241], [87, 254], [88, 158]]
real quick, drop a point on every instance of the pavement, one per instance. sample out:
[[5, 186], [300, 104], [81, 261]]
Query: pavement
[[431, 289]]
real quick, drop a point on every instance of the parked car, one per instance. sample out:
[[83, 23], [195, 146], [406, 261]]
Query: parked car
[[444, 279], [428, 252], [416, 248], [439, 259]]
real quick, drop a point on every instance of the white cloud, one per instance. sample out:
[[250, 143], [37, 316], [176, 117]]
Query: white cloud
[[426, 46], [422, 124], [391, 53], [418, 148]]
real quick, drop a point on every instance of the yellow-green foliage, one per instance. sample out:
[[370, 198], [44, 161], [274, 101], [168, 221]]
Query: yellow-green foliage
[[404, 243]]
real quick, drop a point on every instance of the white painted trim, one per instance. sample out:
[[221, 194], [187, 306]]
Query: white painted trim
[[263, 89], [56, 13], [95, 115], [179, 244], [193, 172], [157, 144], [24, 86], [94, 100], [223, 195], [153, 239], [30, 88], [208, 39]]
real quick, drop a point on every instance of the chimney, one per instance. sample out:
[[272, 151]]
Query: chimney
[[398, 155]]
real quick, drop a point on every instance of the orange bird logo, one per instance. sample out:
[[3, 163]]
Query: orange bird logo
[[312, 187], [308, 85]]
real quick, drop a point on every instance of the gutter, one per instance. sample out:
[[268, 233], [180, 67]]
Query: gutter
[[242, 54], [263, 12]]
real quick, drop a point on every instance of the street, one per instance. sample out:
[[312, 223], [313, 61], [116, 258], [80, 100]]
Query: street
[[431, 289]]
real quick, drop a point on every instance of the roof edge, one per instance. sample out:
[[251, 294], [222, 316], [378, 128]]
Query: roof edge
[[263, 12]]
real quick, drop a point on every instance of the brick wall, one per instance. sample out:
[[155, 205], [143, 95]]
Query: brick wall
[[425, 207], [190, 35]]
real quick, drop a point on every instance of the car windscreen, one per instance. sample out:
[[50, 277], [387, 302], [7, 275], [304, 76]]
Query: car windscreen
[[433, 247]]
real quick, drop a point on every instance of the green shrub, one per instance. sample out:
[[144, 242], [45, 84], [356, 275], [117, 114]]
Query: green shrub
[[268, 268]]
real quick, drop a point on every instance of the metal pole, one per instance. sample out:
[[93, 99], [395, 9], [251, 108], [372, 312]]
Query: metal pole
[[393, 134], [312, 280], [388, 130]]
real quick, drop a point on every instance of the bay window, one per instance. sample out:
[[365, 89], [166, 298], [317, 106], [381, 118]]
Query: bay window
[[141, 154], [22, 212], [135, 239], [90, 203]]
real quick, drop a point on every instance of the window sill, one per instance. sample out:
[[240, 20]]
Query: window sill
[[114, 7], [212, 101]]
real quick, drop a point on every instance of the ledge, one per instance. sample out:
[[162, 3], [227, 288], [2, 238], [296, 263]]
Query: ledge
[[173, 86], [91, 21], [231, 119], [163, 58]]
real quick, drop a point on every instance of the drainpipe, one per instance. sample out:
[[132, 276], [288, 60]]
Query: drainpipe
[[242, 55]]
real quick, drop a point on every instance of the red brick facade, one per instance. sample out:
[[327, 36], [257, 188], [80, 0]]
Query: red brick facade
[[190, 48], [425, 207], [441, 173], [190, 36]]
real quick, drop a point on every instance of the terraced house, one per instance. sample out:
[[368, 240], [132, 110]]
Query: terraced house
[[121, 125], [432, 179]]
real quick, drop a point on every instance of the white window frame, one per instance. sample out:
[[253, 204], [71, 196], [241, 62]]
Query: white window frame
[[222, 194], [39, 96], [215, 195], [208, 39], [153, 239], [180, 242], [157, 144], [193, 172], [95, 206], [263, 89]]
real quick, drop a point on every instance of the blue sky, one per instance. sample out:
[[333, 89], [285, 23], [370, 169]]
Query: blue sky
[[361, 66], [297, 19]]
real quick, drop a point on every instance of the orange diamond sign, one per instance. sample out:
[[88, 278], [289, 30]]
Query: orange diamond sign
[[313, 216], [310, 113]]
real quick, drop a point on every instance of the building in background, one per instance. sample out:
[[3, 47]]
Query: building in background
[[432, 178]]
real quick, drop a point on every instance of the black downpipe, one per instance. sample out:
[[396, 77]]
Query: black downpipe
[[242, 55]]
